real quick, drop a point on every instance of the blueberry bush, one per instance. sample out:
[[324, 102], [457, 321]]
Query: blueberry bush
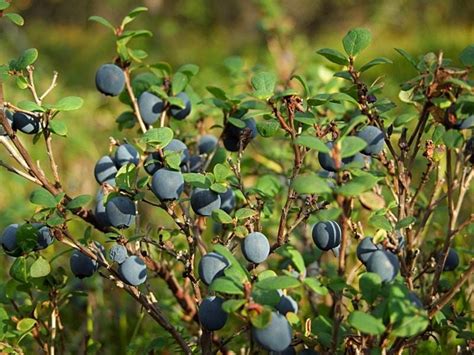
[[279, 214]]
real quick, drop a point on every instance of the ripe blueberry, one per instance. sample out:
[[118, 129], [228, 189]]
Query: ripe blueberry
[[167, 184], [181, 113], [133, 270], [212, 266], [211, 314], [255, 247], [275, 336], [120, 211], [110, 79], [150, 107], [204, 201], [105, 169], [384, 263], [327, 235], [374, 138], [126, 153]]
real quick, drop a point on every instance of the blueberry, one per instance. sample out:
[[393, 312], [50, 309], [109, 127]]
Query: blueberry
[[228, 200], [275, 336], [232, 135], [120, 211], [110, 79], [178, 146], [365, 249], [326, 162], [327, 235], [118, 253], [26, 123], [133, 270], [167, 184], [414, 300], [358, 160], [212, 266], [255, 247], [286, 304], [105, 169], [211, 314], [196, 164], [383, 263], [288, 351], [45, 237], [150, 107], [452, 260], [181, 113], [8, 241], [153, 162], [207, 144], [81, 265], [465, 124], [204, 201], [126, 153], [373, 136], [100, 214], [9, 116]]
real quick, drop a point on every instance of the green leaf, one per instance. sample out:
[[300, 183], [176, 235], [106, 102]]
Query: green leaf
[[374, 62], [411, 326], [268, 185], [231, 306], [197, 180], [20, 269], [303, 83], [40, 268], [219, 188], [55, 219], [370, 285], [312, 143], [262, 319], [27, 237], [453, 138], [366, 323], [15, 18], [381, 222], [102, 21], [222, 172], [310, 184], [132, 14], [408, 57], [179, 82], [356, 40], [30, 106], [405, 222], [189, 69], [290, 252], [126, 177], [264, 84], [21, 82], [221, 216], [25, 325], [176, 101], [69, 103], [268, 128], [351, 145], [159, 137], [278, 282], [4, 5], [222, 250], [28, 57], [244, 213], [218, 93], [358, 185], [316, 286], [43, 197], [78, 202], [333, 56], [58, 127], [227, 286], [467, 56]]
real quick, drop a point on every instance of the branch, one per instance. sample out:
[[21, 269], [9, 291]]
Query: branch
[[136, 109]]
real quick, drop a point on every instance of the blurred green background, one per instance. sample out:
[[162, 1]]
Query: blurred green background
[[204, 32]]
